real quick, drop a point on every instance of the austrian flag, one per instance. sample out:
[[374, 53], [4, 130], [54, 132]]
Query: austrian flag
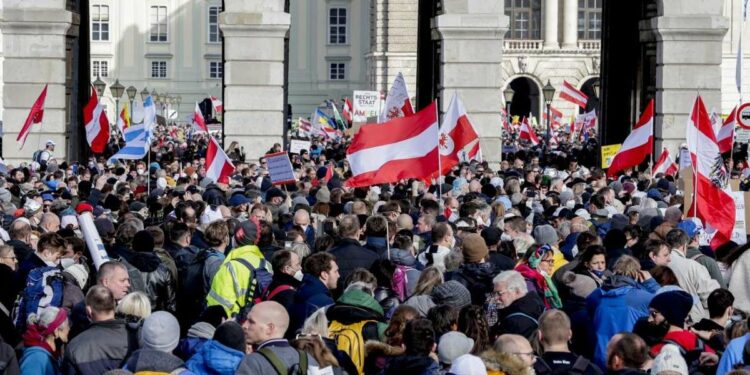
[[219, 166], [637, 145], [665, 164], [97, 125]]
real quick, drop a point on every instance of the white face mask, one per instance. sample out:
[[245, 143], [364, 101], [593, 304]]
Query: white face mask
[[67, 262], [298, 275], [141, 171], [505, 237], [453, 242]]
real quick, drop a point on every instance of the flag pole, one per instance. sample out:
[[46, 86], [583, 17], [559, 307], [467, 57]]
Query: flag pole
[[440, 163]]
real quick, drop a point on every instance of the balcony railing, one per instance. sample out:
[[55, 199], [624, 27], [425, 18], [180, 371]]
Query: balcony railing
[[521, 45], [589, 45]]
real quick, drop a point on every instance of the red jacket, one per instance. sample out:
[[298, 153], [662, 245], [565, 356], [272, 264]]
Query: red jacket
[[686, 339]]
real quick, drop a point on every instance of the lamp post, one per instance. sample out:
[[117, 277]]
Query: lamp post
[[99, 85], [508, 93], [178, 100], [116, 90], [131, 91], [144, 94], [549, 92]]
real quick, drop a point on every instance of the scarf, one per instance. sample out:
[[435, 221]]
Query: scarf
[[36, 334], [543, 282]]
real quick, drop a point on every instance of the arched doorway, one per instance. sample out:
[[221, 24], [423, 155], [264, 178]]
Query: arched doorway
[[525, 97], [588, 89]]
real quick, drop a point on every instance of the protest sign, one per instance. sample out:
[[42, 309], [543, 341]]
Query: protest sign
[[366, 104], [608, 153], [297, 145], [280, 168]]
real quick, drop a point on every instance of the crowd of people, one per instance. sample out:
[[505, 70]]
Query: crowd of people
[[538, 265]]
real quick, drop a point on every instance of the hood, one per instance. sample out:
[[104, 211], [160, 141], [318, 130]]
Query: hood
[[144, 262], [378, 348], [153, 360], [220, 359], [617, 285], [481, 272], [354, 306], [507, 363], [402, 257]]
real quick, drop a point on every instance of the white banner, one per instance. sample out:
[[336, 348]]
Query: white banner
[[298, 145], [366, 105], [739, 233]]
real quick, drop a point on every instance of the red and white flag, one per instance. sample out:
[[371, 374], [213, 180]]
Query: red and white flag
[[97, 125], [219, 166], [218, 105], [556, 115], [397, 103], [665, 164], [457, 136], [348, 110], [35, 117], [527, 132], [398, 149], [711, 203], [505, 121], [573, 95], [725, 136], [638, 145], [199, 123], [304, 127]]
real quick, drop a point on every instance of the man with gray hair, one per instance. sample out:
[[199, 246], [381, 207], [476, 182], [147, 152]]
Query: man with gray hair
[[518, 310]]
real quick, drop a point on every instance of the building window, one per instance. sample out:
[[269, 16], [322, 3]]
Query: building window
[[215, 69], [337, 26], [100, 22], [99, 68], [158, 69], [525, 19], [337, 72], [213, 24], [158, 24], [590, 19]]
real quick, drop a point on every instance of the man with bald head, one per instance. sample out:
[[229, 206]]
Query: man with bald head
[[265, 326], [50, 223], [302, 220]]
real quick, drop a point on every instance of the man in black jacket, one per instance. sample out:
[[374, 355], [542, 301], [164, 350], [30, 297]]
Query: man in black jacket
[[287, 277], [20, 237], [105, 344], [349, 254], [519, 310]]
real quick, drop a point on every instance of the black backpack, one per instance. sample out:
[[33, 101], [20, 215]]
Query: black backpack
[[191, 298], [579, 367]]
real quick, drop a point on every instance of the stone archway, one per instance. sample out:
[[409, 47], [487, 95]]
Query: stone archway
[[526, 97]]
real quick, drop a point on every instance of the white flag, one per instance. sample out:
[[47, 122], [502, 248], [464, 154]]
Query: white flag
[[397, 104]]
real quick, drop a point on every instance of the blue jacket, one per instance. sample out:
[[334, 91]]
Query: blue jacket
[[311, 296], [215, 358], [615, 307], [732, 355], [38, 361], [189, 346]]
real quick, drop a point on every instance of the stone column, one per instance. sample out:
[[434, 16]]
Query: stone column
[[549, 9], [34, 47], [393, 43], [570, 24], [254, 32], [471, 35], [689, 37]]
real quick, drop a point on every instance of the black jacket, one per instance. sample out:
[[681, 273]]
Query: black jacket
[[350, 255], [21, 249], [8, 360], [72, 292], [155, 276], [286, 297], [25, 267], [511, 320], [477, 278], [100, 348], [387, 299]]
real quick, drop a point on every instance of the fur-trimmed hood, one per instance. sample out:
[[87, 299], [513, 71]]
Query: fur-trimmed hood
[[504, 363], [377, 348]]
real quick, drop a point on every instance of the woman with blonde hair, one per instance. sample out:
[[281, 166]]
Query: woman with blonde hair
[[45, 334], [314, 340], [428, 280], [134, 307]]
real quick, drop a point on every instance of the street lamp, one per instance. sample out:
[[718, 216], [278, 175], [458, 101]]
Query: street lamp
[[144, 94], [596, 86], [99, 85], [508, 93], [117, 90], [131, 91], [549, 92]]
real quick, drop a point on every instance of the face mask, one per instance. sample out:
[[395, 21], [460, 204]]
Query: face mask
[[453, 242], [298, 275], [141, 171], [67, 262], [505, 237]]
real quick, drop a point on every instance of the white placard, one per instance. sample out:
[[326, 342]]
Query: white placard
[[366, 104], [280, 168], [739, 233], [297, 145]]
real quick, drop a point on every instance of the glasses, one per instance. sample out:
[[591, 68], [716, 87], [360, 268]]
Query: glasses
[[549, 261], [11, 257]]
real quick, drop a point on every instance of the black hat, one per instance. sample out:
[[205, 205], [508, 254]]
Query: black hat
[[273, 193], [491, 236], [143, 242], [230, 334]]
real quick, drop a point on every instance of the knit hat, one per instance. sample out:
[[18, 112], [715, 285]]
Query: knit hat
[[202, 330], [143, 242], [580, 285], [230, 334], [474, 248], [248, 232], [273, 193], [468, 364], [453, 345], [545, 235], [669, 360], [491, 236], [161, 332], [451, 293], [323, 195], [674, 305], [423, 304], [79, 272]]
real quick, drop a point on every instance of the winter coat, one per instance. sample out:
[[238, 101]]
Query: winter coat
[[350, 255], [256, 363], [311, 296], [387, 298], [355, 306], [72, 293], [215, 358], [285, 297], [411, 364], [8, 361], [615, 307], [477, 278], [694, 279], [377, 353], [405, 259], [156, 361], [500, 363], [233, 274], [511, 320], [21, 249], [38, 361], [157, 280], [100, 348]]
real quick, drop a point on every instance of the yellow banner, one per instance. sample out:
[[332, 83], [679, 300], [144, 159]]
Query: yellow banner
[[608, 153]]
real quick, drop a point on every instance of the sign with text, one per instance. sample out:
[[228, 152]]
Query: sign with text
[[743, 115], [608, 153], [297, 145], [366, 105], [280, 168], [739, 232]]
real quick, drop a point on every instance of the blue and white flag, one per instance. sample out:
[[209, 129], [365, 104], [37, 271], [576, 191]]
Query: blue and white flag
[[137, 140], [149, 113]]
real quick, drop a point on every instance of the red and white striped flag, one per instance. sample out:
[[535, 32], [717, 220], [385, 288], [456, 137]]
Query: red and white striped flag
[[725, 136], [527, 132], [199, 123], [304, 126], [665, 164], [35, 117], [556, 115], [456, 134], [711, 203], [638, 145], [401, 148], [348, 110], [218, 105], [97, 125], [219, 166], [573, 95]]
